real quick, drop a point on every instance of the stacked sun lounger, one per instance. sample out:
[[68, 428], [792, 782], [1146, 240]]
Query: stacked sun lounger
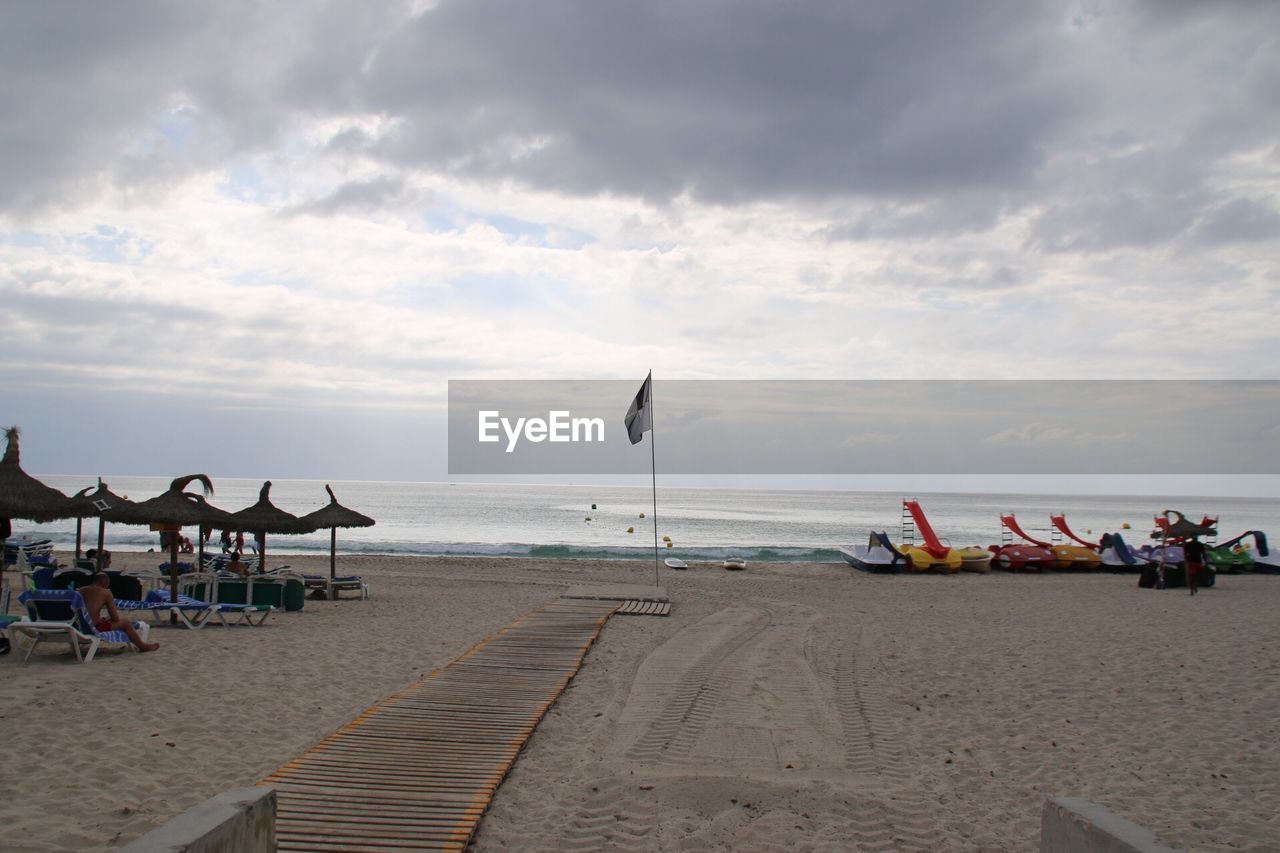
[[332, 586], [39, 552]]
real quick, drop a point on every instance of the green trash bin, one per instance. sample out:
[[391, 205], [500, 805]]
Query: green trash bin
[[295, 594]]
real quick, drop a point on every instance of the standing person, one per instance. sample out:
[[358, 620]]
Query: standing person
[[1194, 555], [225, 541], [97, 597]]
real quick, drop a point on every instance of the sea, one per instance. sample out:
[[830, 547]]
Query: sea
[[579, 521]]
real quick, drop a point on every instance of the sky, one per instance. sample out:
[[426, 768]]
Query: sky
[[260, 239]]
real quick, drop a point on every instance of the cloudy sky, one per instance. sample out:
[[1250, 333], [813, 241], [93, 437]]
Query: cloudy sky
[[259, 239]]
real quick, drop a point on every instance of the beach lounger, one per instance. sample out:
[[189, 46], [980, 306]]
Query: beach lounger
[[61, 614], [41, 578], [332, 586], [283, 590], [5, 618], [197, 593], [194, 613], [244, 614], [35, 553], [191, 612], [202, 588]]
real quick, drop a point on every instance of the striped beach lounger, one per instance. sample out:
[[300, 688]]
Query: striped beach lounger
[[194, 613], [61, 614]]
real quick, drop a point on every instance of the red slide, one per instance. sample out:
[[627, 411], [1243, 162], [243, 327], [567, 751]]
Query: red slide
[[931, 545], [1060, 521], [1012, 523]]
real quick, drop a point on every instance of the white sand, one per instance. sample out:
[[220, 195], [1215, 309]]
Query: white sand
[[785, 707]]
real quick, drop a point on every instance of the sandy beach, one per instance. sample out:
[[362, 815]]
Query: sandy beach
[[791, 706]]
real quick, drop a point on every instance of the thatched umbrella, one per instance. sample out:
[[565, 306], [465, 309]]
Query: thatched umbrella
[[23, 496], [175, 508], [265, 517], [333, 516], [97, 503], [1180, 528]]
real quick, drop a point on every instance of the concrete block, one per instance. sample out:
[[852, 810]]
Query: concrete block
[[241, 820], [1074, 825]]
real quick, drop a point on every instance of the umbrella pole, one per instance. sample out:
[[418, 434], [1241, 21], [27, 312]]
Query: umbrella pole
[[333, 552], [79, 527], [200, 549], [262, 553], [102, 525], [173, 575]]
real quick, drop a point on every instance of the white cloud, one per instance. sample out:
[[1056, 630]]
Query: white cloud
[[1055, 436], [339, 220]]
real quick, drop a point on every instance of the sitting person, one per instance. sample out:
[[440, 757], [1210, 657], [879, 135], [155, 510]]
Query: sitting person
[[97, 597], [235, 565], [93, 554]]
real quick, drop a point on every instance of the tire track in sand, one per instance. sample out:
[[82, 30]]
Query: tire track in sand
[[671, 714], [887, 814], [684, 709]]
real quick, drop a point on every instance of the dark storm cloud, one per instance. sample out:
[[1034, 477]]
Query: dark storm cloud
[[938, 118], [729, 101], [142, 92]]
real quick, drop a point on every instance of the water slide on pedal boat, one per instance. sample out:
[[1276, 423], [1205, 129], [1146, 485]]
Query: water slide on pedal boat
[[933, 555], [1235, 555], [1091, 553], [1064, 556], [1019, 556], [1117, 556], [878, 556]]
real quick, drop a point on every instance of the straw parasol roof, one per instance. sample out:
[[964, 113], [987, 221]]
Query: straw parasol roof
[[175, 507], [23, 496], [266, 517], [86, 500], [335, 514]]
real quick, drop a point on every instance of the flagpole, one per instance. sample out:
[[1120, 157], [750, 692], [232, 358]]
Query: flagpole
[[653, 469]]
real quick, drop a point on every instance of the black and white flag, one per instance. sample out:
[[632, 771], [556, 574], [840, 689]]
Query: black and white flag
[[640, 415]]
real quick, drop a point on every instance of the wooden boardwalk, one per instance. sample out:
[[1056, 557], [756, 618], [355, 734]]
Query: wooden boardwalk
[[417, 771]]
